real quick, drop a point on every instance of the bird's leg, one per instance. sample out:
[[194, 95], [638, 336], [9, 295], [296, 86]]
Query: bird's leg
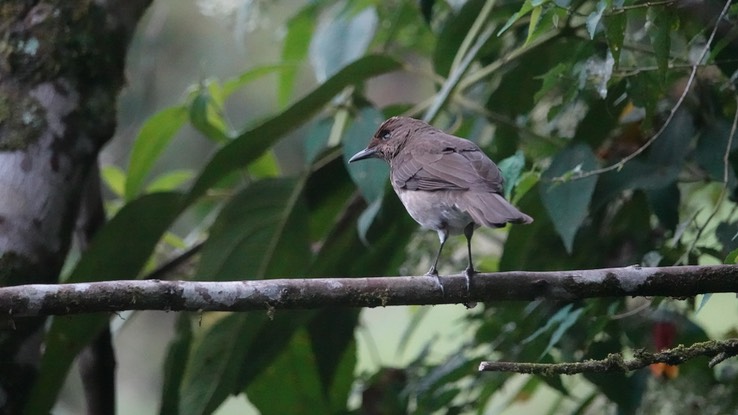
[[442, 236], [469, 232]]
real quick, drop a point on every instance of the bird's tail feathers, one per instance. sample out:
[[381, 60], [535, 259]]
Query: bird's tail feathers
[[491, 209]]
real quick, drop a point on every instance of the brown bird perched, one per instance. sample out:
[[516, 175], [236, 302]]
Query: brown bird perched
[[446, 183]]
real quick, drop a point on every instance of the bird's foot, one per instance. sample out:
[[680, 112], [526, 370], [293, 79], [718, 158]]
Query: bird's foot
[[468, 274], [433, 272]]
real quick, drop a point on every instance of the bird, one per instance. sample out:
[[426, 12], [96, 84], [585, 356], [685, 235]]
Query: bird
[[446, 183]]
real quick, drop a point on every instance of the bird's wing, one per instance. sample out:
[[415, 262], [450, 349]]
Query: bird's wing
[[453, 164]]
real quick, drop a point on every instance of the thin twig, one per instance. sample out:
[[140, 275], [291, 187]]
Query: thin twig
[[615, 362]]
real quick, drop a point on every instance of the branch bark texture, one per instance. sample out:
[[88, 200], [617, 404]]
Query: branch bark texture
[[113, 296]]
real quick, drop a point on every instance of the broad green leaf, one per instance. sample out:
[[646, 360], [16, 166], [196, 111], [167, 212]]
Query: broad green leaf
[[511, 168], [260, 233], [455, 29], [343, 252], [550, 323], [268, 343], [664, 203], [524, 184], [170, 180], [115, 178], [232, 353], [526, 8], [265, 166], [325, 208], [118, 252], [294, 49], [251, 144], [317, 138], [367, 218], [712, 142], [231, 85], [215, 362], [331, 335], [675, 142], [551, 80], [567, 202], [615, 27], [273, 393], [535, 17], [155, 135], [662, 23], [593, 20], [732, 257], [340, 38], [565, 323], [174, 367], [636, 174], [645, 91], [371, 175]]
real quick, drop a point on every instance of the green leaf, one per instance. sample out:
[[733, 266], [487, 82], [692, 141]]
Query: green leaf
[[331, 337], [231, 85], [367, 218], [326, 207], [535, 17], [664, 204], [294, 49], [567, 203], [118, 252], [615, 27], [316, 139], [675, 143], [251, 144], [565, 322], [265, 166], [732, 257], [155, 135], [260, 233], [115, 178], [170, 180], [174, 369], [371, 175], [526, 8], [215, 362], [340, 38], [662, 21], [511, 168], [273, 393], [552, 80], [712, 143], [452, 35], [525, 183]]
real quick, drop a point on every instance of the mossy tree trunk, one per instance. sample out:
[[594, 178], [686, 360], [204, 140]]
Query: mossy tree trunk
[[61, 68]]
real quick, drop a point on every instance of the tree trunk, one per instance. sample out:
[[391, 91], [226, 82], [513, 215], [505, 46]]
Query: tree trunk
[[61, 68]]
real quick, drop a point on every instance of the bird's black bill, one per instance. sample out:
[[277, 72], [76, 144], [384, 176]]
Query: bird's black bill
[[363, 154]]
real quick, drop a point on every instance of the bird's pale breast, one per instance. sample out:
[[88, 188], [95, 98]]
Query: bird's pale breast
[[434, 210]]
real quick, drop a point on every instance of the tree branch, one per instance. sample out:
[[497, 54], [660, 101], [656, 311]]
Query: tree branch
[[113, 296], [614, 362]]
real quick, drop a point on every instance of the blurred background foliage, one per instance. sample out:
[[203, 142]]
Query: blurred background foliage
[[233, 139]]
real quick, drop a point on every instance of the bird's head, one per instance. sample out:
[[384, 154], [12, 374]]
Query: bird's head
[[390, 138]]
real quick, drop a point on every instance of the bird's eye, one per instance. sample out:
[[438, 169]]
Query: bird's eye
[[384, 134]]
